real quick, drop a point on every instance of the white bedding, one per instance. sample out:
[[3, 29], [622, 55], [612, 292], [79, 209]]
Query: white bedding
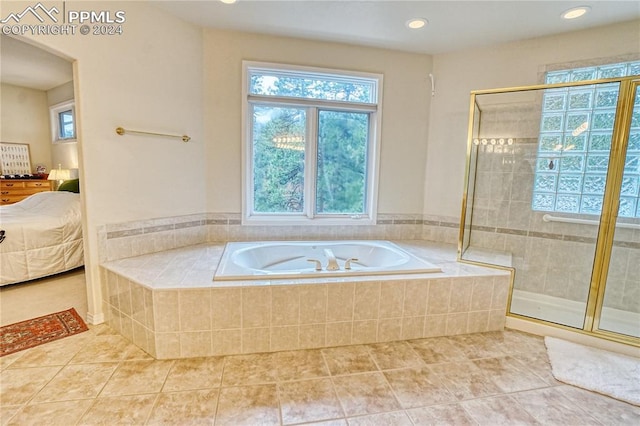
[[42, 236]]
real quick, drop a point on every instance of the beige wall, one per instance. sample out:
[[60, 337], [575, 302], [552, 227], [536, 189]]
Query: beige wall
[[64, 153], [61, 93], [406, 99], [508, 65], [25, 119], [149, 78]]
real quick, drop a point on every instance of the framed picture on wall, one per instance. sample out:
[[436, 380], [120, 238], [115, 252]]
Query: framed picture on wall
[[15, 158]]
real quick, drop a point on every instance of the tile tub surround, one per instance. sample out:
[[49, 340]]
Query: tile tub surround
[[168, 305], [135, 238]]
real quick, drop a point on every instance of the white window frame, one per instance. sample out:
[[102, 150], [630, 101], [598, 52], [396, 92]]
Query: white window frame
[[312, 105], [54, 113]]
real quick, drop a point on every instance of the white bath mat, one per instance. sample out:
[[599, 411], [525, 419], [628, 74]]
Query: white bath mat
[[601, 371]]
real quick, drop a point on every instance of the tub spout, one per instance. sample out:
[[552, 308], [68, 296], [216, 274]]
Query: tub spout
[[347, 264], [333, 263]]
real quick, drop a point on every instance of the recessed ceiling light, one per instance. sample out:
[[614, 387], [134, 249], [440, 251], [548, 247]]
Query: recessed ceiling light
[[228, 1], [416, 23], [575, 12]]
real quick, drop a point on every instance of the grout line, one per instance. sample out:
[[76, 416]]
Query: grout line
[[153, 407], [333, 385]]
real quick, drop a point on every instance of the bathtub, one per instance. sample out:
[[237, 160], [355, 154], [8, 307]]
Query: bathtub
[[267, 260]]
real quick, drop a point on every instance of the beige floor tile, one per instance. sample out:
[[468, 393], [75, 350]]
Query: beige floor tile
[[510, 342], [537, 363], [188, 407], [109, 348], [366, 393], [119, 410], [102, 330], [437, 350], [464, 380], [476, 346], [606, 410], [7, 360], [17, 386], [83, 381], [509, 374], [514, 341], [249, 369], [348, 360], [194, 373], [336, 422], [498, 410], [7, 412], [59, 352], [441, 415], [417, 387], [394, 355], [495, 377], [396, 418], [550, 407], [52, 413], [248, 405], [308, 400], [137, 377], [299, 365]]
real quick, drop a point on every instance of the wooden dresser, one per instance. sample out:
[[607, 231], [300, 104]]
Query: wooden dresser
[[14, 190]]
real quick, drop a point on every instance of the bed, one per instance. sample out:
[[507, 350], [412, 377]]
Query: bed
[[40, 236]]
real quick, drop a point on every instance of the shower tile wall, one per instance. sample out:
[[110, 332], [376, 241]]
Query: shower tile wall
[[550, 258]]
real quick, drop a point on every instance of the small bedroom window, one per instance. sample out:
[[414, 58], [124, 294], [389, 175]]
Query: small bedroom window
[[63, 123]]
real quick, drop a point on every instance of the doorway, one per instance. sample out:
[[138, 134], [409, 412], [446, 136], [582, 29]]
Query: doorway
[[34, 82]]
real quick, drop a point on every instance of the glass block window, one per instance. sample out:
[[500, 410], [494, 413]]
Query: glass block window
[[574, 143]]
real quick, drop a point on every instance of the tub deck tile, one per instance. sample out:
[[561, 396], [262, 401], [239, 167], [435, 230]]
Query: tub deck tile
[[187, 314]]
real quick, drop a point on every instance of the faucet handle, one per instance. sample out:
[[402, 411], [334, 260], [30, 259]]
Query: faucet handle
[[317, 262], [347, 264]]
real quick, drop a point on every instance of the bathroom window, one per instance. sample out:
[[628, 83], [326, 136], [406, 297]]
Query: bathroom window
[[311, 144], [575, 140], [63, 126]]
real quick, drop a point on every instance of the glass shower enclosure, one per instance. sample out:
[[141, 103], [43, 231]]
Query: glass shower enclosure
[[553, 193]]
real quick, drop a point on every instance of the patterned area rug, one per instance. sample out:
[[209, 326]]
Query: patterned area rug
[[27, 334]]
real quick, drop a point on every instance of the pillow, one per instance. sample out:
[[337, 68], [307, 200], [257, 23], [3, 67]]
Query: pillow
[[72, 185]]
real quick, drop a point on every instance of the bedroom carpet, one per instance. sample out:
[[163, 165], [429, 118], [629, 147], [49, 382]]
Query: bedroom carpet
[[594, 369], [36, 331]]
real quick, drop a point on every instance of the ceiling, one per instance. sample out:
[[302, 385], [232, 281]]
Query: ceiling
[[452, 25], [29, 66]]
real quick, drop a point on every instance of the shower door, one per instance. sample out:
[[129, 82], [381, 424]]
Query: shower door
[[548, 167], [618, 308]]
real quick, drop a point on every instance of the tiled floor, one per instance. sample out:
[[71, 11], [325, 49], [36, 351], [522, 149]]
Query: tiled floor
[[495, 378]]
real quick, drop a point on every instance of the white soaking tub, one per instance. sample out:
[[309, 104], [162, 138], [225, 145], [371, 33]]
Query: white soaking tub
[[301, 259]]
